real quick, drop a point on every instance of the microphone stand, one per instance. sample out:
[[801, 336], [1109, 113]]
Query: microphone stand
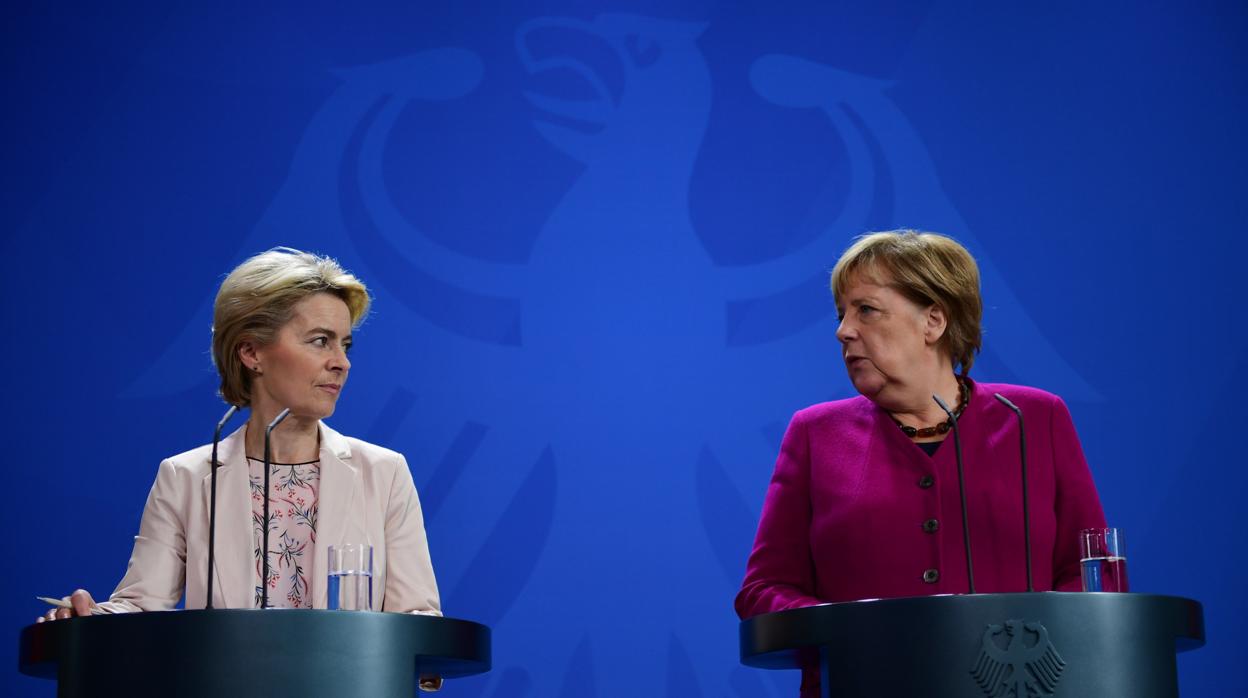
[[1022, 456], [212, 501], [264, 551], [966, 529]]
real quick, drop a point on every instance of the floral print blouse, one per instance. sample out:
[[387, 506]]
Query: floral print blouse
[[292, 529]]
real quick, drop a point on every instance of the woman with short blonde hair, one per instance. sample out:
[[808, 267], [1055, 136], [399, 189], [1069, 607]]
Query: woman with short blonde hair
[[256, 300], [283, 324]]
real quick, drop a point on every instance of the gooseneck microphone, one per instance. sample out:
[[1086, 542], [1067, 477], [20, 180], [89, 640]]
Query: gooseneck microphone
[[212, 501], [264, 550], [966, 528], [1022, 456]]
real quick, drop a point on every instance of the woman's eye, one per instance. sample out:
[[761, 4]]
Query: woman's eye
[[321, 341], [346, 348]]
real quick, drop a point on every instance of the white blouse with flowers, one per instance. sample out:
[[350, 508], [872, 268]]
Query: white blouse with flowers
[[292, 529]]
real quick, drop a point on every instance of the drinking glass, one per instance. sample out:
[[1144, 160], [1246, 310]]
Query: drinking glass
[[350, 577], [1103, 554]]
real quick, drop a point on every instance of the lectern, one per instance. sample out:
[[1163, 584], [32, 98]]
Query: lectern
[[1052, 644], [239, 653]]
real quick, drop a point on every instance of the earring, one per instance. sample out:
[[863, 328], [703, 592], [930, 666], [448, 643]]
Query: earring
[[256, 368]]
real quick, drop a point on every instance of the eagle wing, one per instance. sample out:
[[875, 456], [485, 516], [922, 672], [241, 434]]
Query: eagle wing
[[991, 663], [1042, 660]]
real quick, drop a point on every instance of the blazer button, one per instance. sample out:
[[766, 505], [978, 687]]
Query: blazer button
[[931, 576], [926, 481], [931, 525]]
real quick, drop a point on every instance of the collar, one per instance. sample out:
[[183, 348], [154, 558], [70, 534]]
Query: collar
[[233, 448]]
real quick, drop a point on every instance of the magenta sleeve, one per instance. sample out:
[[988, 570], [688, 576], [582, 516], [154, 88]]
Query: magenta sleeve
[[780, 571], [1076, 503]]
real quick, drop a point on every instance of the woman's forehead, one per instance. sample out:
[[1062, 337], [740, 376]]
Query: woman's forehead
[[321, 310], [864, 280]]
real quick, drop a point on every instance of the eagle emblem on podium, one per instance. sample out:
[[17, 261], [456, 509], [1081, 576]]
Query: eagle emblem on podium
[[1017, 660]]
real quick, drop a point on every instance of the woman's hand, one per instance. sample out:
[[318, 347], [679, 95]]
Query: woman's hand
[[81, 604]]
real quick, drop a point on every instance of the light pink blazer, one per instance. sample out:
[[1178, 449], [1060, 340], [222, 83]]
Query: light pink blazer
[[366, 496]]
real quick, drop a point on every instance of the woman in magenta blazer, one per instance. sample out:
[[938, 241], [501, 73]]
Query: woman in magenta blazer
[[864, 500]]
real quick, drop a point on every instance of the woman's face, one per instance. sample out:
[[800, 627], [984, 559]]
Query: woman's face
[[306, 367], [887, 340]]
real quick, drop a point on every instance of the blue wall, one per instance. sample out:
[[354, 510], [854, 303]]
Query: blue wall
[[598, 236]]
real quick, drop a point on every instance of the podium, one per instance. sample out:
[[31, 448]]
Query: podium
[[239, 653], [969, 646]]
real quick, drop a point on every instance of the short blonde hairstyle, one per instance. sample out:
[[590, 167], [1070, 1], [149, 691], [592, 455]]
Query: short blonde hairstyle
[[928, 269], [258, 298]]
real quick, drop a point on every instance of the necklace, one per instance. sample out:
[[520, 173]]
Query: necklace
[[964, 396]]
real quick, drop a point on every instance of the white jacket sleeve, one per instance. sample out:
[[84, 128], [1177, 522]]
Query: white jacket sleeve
[[157, 568]]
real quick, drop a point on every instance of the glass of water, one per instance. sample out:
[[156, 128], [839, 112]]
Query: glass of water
[[350, 577], [1103, 554]]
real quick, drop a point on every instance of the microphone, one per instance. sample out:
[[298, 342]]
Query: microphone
[[264, 575], [966, 529], [1022, 455], [212, 501]]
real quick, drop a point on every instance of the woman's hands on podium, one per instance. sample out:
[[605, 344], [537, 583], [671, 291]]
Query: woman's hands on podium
[[80, 602]]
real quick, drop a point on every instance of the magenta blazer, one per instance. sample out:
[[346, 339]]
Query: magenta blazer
[[855, 510]]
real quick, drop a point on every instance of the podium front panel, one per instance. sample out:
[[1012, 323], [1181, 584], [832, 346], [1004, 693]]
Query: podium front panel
[[251, 652], [1048, 643]]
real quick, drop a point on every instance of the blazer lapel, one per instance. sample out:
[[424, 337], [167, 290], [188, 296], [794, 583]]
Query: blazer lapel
[[235, 576], [336, 505], [897, 448]]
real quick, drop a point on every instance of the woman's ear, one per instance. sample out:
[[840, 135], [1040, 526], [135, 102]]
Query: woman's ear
[[248, 355], [936, 323]]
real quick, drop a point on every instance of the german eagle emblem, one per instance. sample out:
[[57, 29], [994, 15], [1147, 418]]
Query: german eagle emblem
[[1017, 660]]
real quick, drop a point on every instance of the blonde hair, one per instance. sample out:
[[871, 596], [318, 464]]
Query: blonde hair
[[258, 298], [928, 269]]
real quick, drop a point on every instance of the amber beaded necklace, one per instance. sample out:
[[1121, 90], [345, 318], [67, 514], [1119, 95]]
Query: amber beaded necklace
[[964, 396]]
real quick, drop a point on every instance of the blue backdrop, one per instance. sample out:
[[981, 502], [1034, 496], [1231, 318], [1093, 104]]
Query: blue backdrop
[[598, 234]]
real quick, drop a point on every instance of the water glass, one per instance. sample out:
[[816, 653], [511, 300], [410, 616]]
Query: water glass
[[1103, 554], [350, 585]]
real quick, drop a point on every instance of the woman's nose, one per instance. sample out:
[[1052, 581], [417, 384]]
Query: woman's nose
[[340, 361], [845, 332]]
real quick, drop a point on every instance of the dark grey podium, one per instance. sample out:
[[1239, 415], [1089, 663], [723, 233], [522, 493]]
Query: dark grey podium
[[970, 646], [239, 653]]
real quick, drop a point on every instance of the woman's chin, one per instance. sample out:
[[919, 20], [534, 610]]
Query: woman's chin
[[867, 386], [312, 413]]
